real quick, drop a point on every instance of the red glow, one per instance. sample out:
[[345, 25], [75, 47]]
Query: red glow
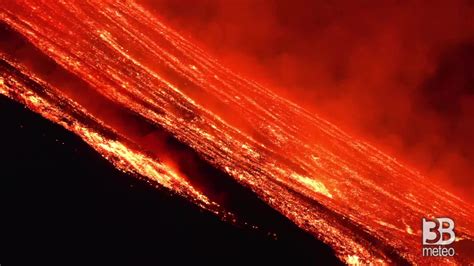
[[395, 73], [362, 202]]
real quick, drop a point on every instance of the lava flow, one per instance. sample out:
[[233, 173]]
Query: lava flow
[[364, 204]]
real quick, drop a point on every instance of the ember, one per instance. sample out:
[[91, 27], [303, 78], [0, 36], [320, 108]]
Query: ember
[[341, 190]]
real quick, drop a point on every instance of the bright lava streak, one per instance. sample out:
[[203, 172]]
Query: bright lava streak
[[363, 203]]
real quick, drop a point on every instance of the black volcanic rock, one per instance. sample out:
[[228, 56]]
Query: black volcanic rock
[[62, 203]]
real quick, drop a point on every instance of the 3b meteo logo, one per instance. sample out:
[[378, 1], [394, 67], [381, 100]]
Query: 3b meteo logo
[[438, 234]]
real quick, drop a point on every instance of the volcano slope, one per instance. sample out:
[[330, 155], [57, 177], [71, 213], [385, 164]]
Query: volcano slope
[[118, 70]]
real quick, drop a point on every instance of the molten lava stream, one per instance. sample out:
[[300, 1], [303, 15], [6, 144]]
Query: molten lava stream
[[361, 202]]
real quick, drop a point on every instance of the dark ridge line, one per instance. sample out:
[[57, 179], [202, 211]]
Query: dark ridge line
[[348, 225], [215, 183], [64, 203]]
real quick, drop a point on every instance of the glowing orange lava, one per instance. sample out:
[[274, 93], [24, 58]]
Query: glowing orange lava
[[350, 195]]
